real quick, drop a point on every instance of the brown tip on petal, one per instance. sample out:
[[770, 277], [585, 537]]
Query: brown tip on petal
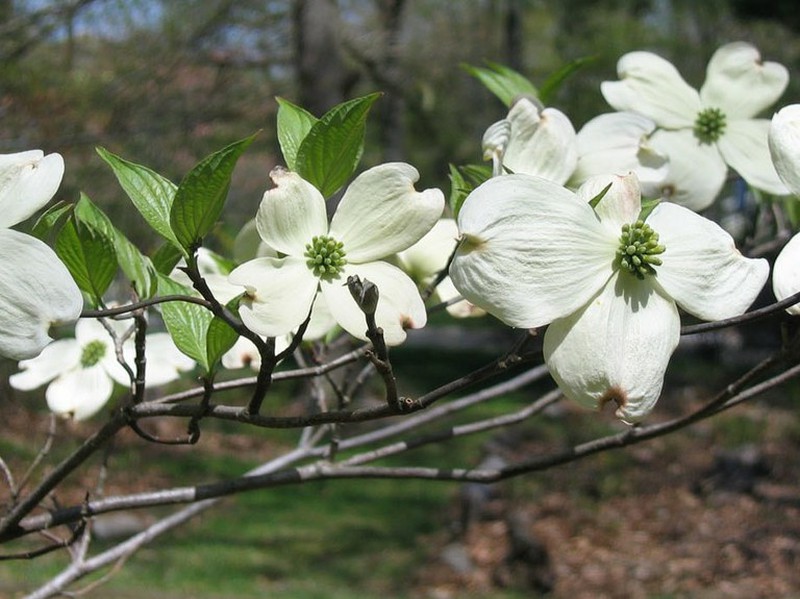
[[276, 173], [668, 191], [407, 322], [615, 394]]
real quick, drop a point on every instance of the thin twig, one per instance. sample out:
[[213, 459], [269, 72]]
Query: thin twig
[[48, 444], [128, 308], [703, 327]]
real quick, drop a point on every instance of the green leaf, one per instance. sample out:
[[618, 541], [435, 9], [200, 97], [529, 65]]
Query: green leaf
[[49, 220], [554, 81], [220, 336], [294, 123], [166, 257], [596, 199], [329, 154], [186, 323], [201, 195], [86, 246], [458, 190], [647, 207], [463, 179], [504, 82], [137, 267], [151, 193]]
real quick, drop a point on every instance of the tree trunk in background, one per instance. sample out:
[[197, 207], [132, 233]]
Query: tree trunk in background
[[512, 26], [391, 109], [323, 80]]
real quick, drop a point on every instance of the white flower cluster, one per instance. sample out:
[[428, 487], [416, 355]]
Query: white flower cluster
[[558, 236], [606, 275]]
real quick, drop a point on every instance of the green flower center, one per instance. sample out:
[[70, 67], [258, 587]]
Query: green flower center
[[638, 249], [92, 353], [325, 257], [709, 125]]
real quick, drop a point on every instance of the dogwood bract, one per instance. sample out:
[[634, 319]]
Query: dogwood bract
[[704, 133], [428, 257], [380, 214], [36, 290], [534, 253], [618, 142], [784, 145], [83, 370], [533, 141]]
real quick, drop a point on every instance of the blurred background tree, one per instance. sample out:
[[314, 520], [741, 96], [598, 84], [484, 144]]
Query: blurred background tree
[[164, 83]]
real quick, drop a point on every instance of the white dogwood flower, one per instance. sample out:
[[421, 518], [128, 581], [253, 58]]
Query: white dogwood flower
[[380, 214], [532, 141], [36, 289], [705, 133], [82, 371], [608, 282], [784, 145]]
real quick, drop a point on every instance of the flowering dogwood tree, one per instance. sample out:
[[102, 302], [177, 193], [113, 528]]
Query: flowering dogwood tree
[[574, 240]]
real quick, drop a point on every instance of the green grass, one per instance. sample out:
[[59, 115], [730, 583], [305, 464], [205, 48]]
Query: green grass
[[358, 539], [355, 538]]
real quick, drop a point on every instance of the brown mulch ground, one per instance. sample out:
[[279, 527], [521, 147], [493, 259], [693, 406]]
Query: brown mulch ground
[[680, 518]]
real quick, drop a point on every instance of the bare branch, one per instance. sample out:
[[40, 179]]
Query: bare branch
[[746, 317]]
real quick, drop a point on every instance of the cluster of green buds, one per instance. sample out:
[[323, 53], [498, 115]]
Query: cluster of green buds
[[709, 125], [638, 249], [326, 256], [92, 353]]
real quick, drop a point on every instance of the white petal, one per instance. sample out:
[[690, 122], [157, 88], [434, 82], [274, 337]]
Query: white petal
[[36, 292], [702, 270], [618, 143], [28, 180], [615, 349], [381, 213], [696, 172], [400, 306], [495, 139], [322, 321], [785, 273], [462, 309], [745, 148], [541, 144], [430, 254], [279, 294], [532, 251], [215, 276], [740, 83], [621, 203], [243, 354], [221, 288], [58, 357], [90, 329], [652, 86], [165, 361], [210, 263], [784, 145], [291, 213], [80, 393]]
